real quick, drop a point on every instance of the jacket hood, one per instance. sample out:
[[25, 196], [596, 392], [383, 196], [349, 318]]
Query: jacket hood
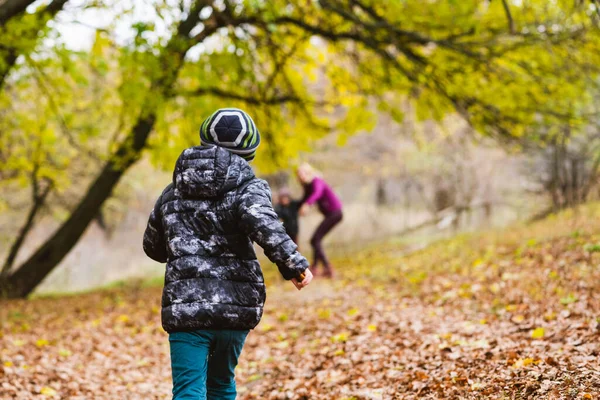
[[209, 171]]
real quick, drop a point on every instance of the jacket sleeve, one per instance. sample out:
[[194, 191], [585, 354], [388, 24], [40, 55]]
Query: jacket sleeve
[[317, 192], [155, 245], [260, 222]]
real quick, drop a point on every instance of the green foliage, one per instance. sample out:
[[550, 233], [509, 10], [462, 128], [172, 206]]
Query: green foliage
[[54, 128], [447, 57], [463, 58]]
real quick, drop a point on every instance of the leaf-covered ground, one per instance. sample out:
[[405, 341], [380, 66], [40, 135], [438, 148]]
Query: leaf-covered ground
[[512, 314]]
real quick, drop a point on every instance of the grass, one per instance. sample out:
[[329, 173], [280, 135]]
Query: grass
[[119, 285]]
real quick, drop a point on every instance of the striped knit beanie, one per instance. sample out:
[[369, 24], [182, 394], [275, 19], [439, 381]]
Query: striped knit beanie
[[232, 129]]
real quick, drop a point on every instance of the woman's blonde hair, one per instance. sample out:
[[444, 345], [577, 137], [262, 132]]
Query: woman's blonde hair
[[308, 171]]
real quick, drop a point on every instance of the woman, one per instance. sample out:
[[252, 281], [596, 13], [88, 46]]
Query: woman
[[317, 191]]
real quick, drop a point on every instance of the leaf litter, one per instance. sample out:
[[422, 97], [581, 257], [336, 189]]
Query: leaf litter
[[512, 314]]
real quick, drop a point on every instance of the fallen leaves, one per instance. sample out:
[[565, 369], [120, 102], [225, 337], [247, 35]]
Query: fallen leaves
[[47, 391], [506, 316], [538, 333], [524, 362], [340, 338]]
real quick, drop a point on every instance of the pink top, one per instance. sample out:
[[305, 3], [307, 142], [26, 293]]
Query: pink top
[[319, 192]]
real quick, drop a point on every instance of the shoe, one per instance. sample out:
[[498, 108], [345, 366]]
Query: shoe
[[328, 273]]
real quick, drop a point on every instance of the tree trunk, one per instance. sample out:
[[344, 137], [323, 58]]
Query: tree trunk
[[555, 180], [31, 273], [381, 197]]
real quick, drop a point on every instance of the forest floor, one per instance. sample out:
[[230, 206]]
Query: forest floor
[[511, 314]]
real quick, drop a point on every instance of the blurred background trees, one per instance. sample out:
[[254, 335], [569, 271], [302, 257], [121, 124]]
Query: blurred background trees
[[453, 90]]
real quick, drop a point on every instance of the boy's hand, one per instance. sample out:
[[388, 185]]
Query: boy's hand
[[303, 280]]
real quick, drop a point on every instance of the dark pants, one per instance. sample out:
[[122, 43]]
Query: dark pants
[[203, 363], [330, 221]]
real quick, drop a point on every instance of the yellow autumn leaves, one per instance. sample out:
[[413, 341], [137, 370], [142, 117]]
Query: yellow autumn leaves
[[538, 333]]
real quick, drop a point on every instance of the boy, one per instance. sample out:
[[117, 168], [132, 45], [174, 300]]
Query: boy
[[287, 210], [203, 226]]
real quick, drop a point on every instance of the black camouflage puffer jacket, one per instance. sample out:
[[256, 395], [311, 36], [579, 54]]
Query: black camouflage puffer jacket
[[203, 226]]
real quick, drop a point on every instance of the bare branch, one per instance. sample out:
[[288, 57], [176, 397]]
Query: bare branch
[[224, 94]]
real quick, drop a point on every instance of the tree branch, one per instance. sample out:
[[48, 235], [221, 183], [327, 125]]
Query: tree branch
[[400, 38], [13, 8], [9, 56], [171, 58], [38, 200], [38, 74], [249, 99], [511, 22]]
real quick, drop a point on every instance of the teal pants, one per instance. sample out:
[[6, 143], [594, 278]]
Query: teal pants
[[203, 363]]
